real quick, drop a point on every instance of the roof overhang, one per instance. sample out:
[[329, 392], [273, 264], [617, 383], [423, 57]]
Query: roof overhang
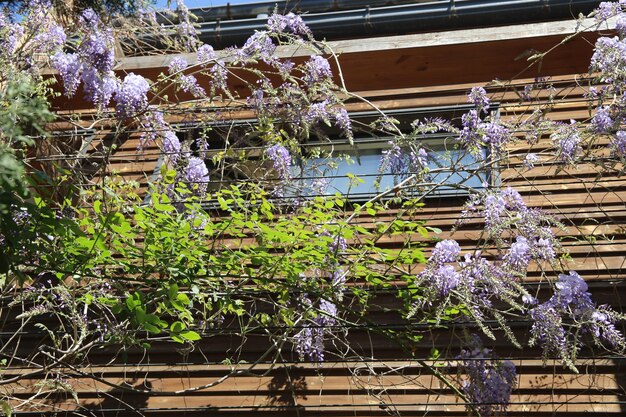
[[413, 41]]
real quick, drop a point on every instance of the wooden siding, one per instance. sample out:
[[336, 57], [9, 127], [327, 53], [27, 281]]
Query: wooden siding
[[393, 381]]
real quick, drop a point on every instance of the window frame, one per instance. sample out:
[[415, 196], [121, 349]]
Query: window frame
[[185, 131], [382, 143]]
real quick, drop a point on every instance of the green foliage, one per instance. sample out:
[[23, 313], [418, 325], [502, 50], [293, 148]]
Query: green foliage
[[23, 113], [176, 269], [103, 7]]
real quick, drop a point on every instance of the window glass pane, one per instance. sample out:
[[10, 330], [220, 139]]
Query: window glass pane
[[454, 167]]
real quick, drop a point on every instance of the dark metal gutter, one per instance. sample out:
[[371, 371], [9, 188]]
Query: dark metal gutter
[[402, 19], [255, 8]]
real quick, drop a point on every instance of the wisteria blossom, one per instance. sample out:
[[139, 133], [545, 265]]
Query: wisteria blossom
[[530, 160], [177, 64], [618, 144], [572, 302], [488, 381], [478, 97], [206, 54], [281, 160], [196, 174], [289, 23], [476, 134], [317, 69], [219, 76], [602, 121], [403, 160], [309, 342], [131, 98], [446, 251], [568, 144], [69, 67], [342, 120]]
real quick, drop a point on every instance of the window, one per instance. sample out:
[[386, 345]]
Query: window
[[452, 170], [331, 165]]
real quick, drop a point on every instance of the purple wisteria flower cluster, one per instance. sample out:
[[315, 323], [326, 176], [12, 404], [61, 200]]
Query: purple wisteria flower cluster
[[91, 64], [478, 97], [504, 211], [607, 64], [478, 281], [281, 160], [305, 101], [316, 70], [476, 134], [530, 160], [196, 175], [40, 36], [131, 96], [11, 35], [185, 82], [332, 268], [488, 381], [309, 341], [567, 142], [404, 158], [259, 46], [290, 23], [559, 322], [321, 318], [471, 280], [205, 54], [154, 127], [185, 29]]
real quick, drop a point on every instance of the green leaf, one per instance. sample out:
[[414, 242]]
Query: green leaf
[[177, 327], [6, 408], [170, 176], [172, 291], [183, 298], [190, 335]]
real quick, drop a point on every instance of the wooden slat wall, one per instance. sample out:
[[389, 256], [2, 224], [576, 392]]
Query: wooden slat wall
[[392, 382]]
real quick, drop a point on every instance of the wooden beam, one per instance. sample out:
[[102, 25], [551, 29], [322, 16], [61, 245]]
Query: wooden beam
[[418, 40]]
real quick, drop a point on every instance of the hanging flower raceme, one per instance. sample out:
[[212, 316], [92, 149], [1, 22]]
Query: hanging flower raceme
[[488, 381], [568, 143], [618, 144], [476, 134], [505, 211], [439, 275], [289, 23], [51, 36], [342, 120], [219, 76], [91, 64], [571, 303], [309, 341], [478, 97], [259, 46], [154, 127], [185, 28], [132, 96], [403, 160], [601, 121], [99, 88], [196, 175], [281, 160], [69, 67], [205, 54], [530, 160], [316, 70], [187, 83]]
